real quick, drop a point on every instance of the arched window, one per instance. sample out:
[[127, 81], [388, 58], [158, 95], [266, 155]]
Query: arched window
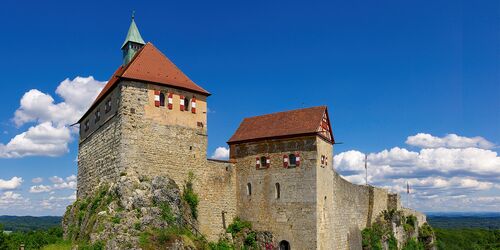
[[292, 160], [249, 189], [277, 190], [284, 245], [162, 100], [186, 104]]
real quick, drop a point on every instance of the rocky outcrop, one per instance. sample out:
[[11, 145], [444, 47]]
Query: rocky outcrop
[[133, 213]]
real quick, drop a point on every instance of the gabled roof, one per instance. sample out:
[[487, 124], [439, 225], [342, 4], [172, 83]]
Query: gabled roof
[[133, 34], [149, 65], [307, 121]]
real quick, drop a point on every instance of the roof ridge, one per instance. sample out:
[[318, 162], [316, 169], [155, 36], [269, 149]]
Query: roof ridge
[[286, 111]]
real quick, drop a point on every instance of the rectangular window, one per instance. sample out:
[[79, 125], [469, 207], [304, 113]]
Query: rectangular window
[[107, 107], [86, 126], [97, 115]]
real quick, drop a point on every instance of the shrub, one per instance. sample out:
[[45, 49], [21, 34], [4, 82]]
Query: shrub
[[237, 226], [190, 196], [166, 212]]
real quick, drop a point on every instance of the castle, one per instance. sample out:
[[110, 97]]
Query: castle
[[151, 119]]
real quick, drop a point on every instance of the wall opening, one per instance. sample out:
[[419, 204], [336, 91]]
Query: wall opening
[[277, 190], [186, 104], [292, 159], [249, 189], [162, 100], [284, 245]]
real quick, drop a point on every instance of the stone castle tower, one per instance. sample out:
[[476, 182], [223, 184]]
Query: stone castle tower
[[151, 119]]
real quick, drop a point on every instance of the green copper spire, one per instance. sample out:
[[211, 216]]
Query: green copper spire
[[133, 34], [132, 43]]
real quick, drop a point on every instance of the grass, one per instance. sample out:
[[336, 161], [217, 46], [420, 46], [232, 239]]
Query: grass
[[65, 245]]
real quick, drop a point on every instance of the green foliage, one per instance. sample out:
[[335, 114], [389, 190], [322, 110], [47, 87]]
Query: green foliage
[[237, 226], [412, 244], [372, 238], [251, 240], [32, 239], [491, 222], [166, 212], [222, 244], [473, 238], [29, 223], [392, 242], [64, 245], [137, 226], [190, 196], [99, 245], [116, 219]]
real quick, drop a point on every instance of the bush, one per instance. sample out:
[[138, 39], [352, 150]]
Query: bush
[[412, 244], [166, 212], [237, 226], [222, 244], [190, 196]]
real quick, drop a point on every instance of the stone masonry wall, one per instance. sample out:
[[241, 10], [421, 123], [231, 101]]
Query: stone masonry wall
[[99, 148], [292, 216]]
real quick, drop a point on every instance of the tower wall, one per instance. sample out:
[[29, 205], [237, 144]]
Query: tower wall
[[100, 146], [292, 217]]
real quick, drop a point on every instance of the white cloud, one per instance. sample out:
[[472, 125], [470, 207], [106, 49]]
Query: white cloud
[[432, 172], [51, 133], [37, 180], [11, 184], [43, 139], [40, 189], [221, 153], [10, 198], [56, 179], [424, 140], [58, 184]]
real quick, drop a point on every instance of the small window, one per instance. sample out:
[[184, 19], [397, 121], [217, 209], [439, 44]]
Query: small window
[[263, 162], [97, 115], [86, 126], [277, 190], [162, 100], [292, 160], [186, 104], [107, 107], [249, 189]]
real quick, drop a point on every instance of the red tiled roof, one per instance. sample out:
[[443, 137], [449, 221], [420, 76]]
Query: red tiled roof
[[278, 125], [150, 65]]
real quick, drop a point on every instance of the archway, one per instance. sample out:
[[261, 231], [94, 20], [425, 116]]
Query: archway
[[284, 245]]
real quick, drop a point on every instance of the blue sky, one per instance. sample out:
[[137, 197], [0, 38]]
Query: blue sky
[[394, 74]]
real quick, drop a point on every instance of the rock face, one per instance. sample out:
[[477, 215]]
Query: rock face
[[130, 213]]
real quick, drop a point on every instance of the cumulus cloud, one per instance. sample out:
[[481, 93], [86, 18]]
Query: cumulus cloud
[[11, 184], [10, 198], [58, 183], [51, 134], [37, 180], [423, 140], [221, 153], [451, 169]]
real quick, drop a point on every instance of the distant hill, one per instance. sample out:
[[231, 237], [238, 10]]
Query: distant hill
[[464, 220], [29, 223]]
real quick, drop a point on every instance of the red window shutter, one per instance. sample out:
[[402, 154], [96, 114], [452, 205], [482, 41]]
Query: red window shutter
[[181, 103], [257, 163], [157, 98], [285, 161], [193, 105], [268, 161], [170, 100], [297, 158]]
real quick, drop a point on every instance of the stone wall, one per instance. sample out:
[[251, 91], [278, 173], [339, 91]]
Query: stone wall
[[292, 216], [217, 207], [99, 148]]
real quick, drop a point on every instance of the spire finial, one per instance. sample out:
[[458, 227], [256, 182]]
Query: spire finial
[[133, 14]]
